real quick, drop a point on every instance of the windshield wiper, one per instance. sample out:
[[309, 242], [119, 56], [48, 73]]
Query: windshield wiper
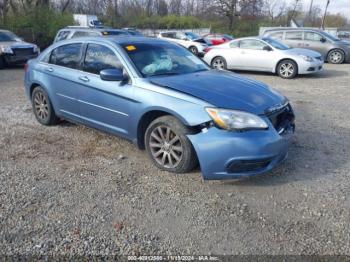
[[165, 74]]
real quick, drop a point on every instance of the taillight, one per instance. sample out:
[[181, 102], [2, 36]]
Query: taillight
[[26, 67], [207, 50]]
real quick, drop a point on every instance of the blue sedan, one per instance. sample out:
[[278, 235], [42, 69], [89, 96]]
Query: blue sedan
[[165, 100]]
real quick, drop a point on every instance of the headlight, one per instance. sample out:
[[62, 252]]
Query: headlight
[[36, 49], [6, 50], [236, 120], [307, 58]]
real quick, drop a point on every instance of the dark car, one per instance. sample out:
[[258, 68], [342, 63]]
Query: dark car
[[13, 50]]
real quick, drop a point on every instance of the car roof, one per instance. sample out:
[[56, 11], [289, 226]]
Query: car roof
[[119, 40], [101, 29], [4, 31], [292, 29]]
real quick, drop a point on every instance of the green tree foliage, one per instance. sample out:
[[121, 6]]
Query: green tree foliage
[[38, 25]]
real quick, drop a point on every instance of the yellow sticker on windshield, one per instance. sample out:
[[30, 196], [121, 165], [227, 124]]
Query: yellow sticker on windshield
[[130, 48]]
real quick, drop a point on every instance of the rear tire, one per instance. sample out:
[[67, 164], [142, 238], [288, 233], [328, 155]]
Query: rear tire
[[336, 56], [193, 50], [219, 63], [42, 107], [287, 69], [168, 146]]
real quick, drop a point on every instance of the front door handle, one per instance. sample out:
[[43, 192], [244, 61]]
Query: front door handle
[[84, 78], [49, 69]]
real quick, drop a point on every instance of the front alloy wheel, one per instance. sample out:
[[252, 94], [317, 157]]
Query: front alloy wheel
[[168, 146], [336, 57], [287, 69]]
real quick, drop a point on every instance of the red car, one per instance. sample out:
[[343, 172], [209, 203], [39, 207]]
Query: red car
[[217, 39]]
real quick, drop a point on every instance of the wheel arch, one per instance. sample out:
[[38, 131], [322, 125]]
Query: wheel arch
[[148, 117], [334, 49], [291, 59]]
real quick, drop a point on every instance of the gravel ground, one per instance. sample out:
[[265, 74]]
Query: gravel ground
[[69, 189]]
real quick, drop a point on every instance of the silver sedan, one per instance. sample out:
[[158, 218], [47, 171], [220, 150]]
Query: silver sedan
[[264, 54]]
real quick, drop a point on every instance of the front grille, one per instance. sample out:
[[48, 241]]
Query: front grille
[[23, 51], [243, 166], [282, 119]]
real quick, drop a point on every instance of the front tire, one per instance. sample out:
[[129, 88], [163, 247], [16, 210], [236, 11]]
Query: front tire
[[168, 146], [336, 56], [2, 62], [219, 63], [42, 107], [287, 69]]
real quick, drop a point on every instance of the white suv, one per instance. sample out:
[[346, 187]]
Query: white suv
[[190, 40]]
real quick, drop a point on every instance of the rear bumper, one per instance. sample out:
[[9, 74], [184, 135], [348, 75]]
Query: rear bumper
[[18, 59], [231, 155]]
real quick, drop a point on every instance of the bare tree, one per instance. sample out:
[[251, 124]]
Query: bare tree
[[228, 8], [274, 9]]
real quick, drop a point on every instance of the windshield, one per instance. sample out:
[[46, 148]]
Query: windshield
[[332, 37], [276, 44], [192, 36], [152, 59], [8, 37]]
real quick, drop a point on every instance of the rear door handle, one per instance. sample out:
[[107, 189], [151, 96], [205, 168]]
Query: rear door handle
[[84, 78], [49, 69]]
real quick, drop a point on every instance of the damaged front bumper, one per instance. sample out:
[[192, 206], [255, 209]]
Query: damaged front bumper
[[230, 155]]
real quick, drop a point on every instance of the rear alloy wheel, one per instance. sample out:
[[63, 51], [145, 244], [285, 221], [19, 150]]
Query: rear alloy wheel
[[287, 69], [336, 57], [219, 63], [168, 145], [193, 50], [42, 107]]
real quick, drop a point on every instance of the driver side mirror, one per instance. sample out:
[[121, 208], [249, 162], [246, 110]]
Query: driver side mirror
[[267, 48], [323, 40], [116, 74]]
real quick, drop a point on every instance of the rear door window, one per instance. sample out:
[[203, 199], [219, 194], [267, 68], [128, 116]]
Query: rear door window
[[67, 55], [311, 36], [98, 58], [294, 35]]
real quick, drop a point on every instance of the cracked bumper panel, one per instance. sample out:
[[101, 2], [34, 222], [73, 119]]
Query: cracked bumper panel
[[230, 155]]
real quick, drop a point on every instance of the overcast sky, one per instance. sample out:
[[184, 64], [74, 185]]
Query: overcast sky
[[335, 6]]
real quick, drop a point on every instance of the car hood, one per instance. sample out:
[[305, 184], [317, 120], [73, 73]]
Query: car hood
[[303, 51], [224, 89], [16, 44]]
